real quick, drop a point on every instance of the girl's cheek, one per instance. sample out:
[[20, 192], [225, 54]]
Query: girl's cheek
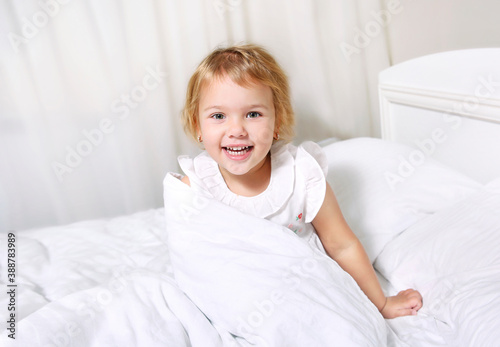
[[265, 134]]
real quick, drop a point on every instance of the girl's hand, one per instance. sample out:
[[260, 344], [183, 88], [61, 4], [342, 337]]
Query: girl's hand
[[405, 303]]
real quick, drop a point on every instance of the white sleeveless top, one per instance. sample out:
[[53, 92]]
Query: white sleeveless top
[[295, 193]]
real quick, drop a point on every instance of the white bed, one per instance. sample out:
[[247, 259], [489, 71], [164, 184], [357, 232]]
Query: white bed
[[424, 201]]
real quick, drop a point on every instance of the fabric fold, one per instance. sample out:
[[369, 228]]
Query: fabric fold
[[258, 281]]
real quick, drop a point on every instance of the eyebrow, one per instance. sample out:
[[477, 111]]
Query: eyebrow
[[217, 107], [259, 106], [211, 107]]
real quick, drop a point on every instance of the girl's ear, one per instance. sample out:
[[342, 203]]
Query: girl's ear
[[198, 133], [276, 132]]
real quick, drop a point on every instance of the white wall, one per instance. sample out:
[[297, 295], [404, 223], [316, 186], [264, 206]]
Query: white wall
[[429, 26]]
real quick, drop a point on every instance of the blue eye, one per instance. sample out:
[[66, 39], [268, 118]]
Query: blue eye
[[253, 114], [217, 116]]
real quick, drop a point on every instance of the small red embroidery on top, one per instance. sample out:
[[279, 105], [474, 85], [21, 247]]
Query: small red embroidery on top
[[291, 226]]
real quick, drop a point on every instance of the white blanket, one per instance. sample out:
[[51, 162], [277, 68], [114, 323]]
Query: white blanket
[[101, 283], [143, 310], [258, 283], [110, 282]]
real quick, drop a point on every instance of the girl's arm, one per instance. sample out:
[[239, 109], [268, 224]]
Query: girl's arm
[[344, 247]]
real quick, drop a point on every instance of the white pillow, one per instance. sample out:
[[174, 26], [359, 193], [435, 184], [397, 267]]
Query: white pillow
[[384, 187], [452, 258], [462, 238]]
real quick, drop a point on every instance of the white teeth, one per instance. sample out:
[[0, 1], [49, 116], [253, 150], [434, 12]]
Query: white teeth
[[237, 150]]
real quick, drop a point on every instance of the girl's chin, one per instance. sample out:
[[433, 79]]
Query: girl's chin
[[234, 171]]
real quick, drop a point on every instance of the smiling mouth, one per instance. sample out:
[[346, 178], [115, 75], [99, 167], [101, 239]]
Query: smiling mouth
[[236, 151]]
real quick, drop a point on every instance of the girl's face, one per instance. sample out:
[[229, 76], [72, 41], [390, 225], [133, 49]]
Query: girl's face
[[237, 126]]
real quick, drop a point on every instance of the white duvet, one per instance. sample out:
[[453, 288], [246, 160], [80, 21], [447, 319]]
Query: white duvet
[[258, 283], [242, 282], [102, 283]]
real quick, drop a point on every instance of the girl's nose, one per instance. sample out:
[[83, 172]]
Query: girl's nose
[[236, 128]]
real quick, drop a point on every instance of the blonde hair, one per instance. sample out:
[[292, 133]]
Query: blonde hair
[[244, 64]]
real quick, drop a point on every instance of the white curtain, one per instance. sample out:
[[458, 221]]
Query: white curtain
[[91, 91]]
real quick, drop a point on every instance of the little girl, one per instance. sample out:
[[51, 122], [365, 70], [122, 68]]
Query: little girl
[[238, 106]]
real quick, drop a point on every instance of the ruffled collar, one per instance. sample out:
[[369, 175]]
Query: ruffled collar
[[268, 202]]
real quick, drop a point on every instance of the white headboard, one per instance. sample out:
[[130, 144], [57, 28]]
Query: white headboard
[[447, 105]]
